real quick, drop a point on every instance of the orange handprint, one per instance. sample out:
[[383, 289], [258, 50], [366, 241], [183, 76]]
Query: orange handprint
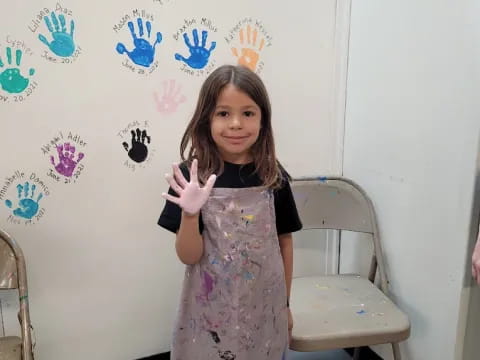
[[248, 55]]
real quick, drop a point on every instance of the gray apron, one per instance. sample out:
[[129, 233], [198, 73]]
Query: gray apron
[[233, 303]]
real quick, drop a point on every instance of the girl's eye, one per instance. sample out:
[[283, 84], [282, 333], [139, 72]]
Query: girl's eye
[[222, 113], [249, 113]]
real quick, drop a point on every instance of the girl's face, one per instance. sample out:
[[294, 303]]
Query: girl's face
[[235, 125]]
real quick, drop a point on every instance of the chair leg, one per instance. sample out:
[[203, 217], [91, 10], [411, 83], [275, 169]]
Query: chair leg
[[396, 351], [356, 353]]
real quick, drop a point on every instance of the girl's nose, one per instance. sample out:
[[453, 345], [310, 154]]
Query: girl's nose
[[235, 123]]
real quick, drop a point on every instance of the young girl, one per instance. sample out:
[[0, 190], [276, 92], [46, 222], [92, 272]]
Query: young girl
[[234, 229]]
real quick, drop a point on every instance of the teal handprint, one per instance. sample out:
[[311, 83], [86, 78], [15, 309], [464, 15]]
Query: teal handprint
[[62, 43], [10, 79], [27, 207]]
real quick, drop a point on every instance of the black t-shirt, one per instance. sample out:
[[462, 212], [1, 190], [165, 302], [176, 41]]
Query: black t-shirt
[[240, 176]]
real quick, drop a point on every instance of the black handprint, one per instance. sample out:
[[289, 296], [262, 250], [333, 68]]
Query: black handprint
[[139, 151]]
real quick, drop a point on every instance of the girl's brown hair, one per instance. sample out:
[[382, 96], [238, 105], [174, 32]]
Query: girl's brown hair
[[198, 135]]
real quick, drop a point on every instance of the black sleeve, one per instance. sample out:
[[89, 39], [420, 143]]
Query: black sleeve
[[171, 215], [286, 214]]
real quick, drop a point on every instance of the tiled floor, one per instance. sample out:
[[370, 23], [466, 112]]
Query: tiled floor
[[324, 355], [292, 355]]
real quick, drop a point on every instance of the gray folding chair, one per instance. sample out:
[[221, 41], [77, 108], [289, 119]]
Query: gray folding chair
[[13, 275], [343, 310]]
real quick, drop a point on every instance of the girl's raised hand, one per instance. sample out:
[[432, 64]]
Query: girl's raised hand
[[191, 197]]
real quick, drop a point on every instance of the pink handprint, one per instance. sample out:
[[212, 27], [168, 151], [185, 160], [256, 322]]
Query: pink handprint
[[170, 99], [66, 164]]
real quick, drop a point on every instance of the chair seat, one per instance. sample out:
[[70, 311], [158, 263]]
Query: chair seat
[[10, 348], [340, 311]]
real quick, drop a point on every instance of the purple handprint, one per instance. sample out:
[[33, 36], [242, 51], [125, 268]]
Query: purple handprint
[[66, 164]]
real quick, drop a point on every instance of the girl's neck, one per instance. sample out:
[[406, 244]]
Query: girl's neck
[[237, 163], [240, 160]]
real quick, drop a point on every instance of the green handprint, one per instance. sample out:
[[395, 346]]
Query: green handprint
[[10, 79]]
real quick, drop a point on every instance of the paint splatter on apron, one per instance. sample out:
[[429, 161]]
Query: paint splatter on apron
[[233, 304]]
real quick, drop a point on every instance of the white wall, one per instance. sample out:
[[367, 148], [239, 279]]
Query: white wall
[[412, 126], [103, 278], [468, 346]]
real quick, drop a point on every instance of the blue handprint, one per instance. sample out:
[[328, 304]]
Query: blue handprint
[[199, 54], [10, 79], [27, 207], [144, 52], [62, 43]]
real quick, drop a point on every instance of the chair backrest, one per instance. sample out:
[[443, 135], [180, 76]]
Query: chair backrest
[[338, 203], [332, 204], [8, 267], [13, 274]]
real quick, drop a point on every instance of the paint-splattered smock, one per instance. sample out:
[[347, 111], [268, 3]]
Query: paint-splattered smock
[[233, 302]]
